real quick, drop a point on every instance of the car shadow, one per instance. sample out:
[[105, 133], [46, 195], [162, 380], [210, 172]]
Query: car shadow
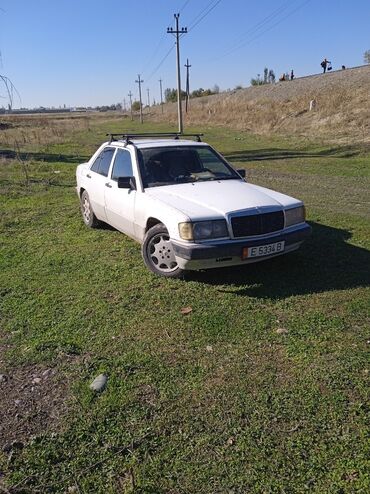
[[105, 226], [283, 154], [324, 262]]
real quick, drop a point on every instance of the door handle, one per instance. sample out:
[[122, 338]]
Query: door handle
[[108, 185], [88, 176]]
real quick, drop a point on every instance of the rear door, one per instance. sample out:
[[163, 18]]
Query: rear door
[[120, 203], [98, 178]]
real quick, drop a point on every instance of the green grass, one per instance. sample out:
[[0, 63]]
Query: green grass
[[216, 401]]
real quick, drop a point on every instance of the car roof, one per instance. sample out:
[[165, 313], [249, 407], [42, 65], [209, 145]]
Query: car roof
[[152, 143]]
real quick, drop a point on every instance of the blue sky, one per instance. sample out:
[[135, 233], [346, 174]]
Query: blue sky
[[89, 52]]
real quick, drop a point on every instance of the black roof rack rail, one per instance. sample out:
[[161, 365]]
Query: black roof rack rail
[[127, 137]]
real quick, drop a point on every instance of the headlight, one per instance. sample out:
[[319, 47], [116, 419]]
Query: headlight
[[202, 230], [294, 216], [186, 231]]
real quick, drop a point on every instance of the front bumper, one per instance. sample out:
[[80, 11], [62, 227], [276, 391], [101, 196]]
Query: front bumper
[[229, 252]]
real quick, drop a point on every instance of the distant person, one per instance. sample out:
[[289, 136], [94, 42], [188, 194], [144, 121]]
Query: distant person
[[325, 64], [292, 75], [282, 77], [343, 67]]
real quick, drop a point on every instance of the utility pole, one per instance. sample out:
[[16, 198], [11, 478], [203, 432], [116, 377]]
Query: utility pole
[[140, 81], [160, 86], [130, 96], [177, 33], [187, 85], [147, 90]]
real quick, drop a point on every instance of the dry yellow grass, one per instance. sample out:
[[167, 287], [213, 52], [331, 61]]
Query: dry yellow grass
[[40, 130], [43, 130], [342, 110]]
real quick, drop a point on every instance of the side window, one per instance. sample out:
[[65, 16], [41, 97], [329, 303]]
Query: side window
[[122, 165], [95, 165], [105, 161]]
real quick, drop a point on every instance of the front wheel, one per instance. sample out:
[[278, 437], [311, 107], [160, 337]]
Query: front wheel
[[158, 253]]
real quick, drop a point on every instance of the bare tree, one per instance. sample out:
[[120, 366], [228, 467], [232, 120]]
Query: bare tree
[[367, 56], [11, 90]]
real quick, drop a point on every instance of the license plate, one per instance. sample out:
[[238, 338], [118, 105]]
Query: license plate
[[264, 250]]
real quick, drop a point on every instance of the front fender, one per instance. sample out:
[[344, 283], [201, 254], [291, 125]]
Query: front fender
[[149, 207]]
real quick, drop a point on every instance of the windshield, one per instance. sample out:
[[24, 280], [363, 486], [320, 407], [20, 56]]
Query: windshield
[[181, 164]]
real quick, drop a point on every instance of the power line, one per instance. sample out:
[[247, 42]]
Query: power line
[[200, 17], [183, 7], [201, 12], [157, 46], [154, 53], [160, 63], [261, 23], [248, 41], [281, 20]]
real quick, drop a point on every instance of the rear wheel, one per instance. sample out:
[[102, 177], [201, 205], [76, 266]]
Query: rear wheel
[[88, 215], [158, 253]]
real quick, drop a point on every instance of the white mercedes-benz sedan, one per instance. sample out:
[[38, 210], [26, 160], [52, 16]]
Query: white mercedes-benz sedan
[[186, 205]]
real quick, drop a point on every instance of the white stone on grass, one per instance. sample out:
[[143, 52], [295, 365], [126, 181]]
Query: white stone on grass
[[99, 383]]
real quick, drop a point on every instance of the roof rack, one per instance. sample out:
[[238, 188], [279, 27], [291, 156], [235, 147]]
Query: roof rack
[[175, 135]]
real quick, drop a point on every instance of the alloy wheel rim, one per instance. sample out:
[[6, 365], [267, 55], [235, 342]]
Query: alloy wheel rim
[[86, 209], [161, 253]]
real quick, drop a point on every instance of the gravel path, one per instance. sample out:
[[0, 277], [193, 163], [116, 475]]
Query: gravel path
[[345, 79]]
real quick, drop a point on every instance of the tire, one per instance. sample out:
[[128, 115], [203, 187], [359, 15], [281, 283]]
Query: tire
[[158, 253], [88, 215]]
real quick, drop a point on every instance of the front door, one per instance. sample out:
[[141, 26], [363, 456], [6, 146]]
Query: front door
[[120, 203], [98, 176]]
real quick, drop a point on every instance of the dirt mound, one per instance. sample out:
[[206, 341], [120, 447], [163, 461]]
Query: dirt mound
[[341, 107]]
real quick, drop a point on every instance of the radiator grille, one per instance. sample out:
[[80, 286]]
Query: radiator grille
[[257, 224]]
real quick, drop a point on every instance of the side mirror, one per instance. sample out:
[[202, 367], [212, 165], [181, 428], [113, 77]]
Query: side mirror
[[241, 172], [126, 183]]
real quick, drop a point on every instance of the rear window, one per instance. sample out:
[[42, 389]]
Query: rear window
[[102, 162], [105, 161]]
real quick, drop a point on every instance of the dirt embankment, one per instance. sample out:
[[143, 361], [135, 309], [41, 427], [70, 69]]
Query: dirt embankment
[[341, 107]]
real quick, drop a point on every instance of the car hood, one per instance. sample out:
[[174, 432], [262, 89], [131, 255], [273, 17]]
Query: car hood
[[219, 197]]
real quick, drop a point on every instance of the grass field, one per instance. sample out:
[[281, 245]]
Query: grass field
[[261, 388]]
